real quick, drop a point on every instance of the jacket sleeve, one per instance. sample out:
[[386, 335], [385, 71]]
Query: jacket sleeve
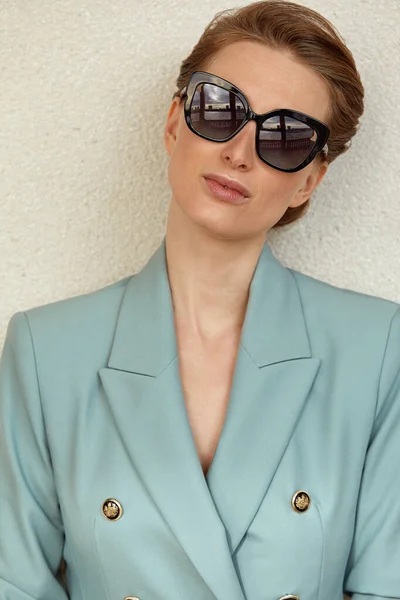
[[373, 568], [31, 531]]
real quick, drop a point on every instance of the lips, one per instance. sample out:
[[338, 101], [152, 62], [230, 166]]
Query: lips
[[230, 183]]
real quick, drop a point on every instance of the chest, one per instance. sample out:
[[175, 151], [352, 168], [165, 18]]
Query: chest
[[206, 372]]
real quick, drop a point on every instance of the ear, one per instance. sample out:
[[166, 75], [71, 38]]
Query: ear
[[312, 182], [172, 125]]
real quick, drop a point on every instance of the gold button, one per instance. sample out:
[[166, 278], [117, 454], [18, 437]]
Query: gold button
[[300, 503], [289, 597], [112, 509]]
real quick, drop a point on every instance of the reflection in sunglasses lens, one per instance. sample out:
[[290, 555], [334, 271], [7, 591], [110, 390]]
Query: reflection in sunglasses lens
[[215, 112], [286, 142]]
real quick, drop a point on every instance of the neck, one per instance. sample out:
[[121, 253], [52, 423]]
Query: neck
[[209, 277]]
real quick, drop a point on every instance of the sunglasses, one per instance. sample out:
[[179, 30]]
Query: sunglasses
[[286, 139]]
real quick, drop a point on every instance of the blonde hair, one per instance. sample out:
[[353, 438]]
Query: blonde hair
[[307, 37]]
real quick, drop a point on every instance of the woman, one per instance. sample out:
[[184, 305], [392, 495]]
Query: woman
[[216, 425]]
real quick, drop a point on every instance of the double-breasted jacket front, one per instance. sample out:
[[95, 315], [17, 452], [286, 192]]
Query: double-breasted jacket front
[[98, 463]]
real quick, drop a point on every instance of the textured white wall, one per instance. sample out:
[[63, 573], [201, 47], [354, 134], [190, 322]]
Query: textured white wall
[[85, 89]]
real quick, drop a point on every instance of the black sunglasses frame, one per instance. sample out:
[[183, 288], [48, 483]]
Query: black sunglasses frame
[[322, 130]]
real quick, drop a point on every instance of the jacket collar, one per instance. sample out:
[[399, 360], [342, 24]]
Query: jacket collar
[[273, 331]]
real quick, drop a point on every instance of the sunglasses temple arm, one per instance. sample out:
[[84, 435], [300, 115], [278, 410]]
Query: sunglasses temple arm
[[181, 94]]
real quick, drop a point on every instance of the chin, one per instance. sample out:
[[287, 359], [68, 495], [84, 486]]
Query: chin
[[210, 217]]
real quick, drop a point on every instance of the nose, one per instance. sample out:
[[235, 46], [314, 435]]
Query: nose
[[241, 149]]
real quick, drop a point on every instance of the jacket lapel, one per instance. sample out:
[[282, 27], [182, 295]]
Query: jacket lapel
[[209, 516]]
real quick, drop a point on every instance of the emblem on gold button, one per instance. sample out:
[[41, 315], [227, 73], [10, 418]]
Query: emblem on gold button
[[112, 509], [300, 502]]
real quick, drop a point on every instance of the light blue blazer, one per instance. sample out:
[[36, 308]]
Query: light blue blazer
[[98, 463]]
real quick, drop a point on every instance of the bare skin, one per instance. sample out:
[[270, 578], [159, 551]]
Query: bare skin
[[212, 248]]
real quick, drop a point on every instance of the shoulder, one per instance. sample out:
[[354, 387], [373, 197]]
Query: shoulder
[[330, 307], [82, 308], [357, 336], [79, 326]]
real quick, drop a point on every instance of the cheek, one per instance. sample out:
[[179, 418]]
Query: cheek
[[180, 173], [277, 189], [186, 164]]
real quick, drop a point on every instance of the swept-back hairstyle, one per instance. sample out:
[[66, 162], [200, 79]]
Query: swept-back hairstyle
[[307, 37]]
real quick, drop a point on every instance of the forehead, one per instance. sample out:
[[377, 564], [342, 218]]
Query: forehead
[[271, 79]]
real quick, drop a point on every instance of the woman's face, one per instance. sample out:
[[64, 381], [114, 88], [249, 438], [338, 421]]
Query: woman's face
[[270, 80]]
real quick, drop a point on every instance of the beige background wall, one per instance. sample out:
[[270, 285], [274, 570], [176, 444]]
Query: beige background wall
[[85, 89]]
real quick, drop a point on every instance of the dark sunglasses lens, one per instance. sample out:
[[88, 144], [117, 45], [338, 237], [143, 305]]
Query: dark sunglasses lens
[[215, 112], [286, 142]]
